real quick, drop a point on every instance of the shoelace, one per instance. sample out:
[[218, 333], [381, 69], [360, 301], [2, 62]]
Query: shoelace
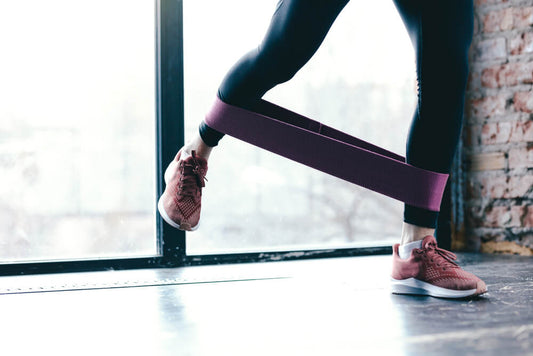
[[444, 257], [193, 177]]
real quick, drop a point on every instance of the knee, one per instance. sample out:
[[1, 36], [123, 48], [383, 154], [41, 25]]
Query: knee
[[459, 68], [454, 64], [284, 75], [448, 72]]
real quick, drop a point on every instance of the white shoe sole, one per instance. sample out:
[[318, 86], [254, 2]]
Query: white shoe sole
[[169, 221], [415, 286]]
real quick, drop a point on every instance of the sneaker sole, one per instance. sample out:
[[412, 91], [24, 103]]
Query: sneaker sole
[[169, 221], [418, 287]]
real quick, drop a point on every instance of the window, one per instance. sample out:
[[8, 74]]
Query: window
[[91, 115], [77, 129], [85, 88]]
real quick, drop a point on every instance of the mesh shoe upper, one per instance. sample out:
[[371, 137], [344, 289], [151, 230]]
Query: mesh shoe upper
[[183, 194], [433, 265]]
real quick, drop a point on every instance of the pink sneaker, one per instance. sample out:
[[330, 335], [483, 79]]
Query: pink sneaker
[[432, 271], [181, 202]]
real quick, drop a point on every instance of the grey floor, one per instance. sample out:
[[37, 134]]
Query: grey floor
[[336, 306]]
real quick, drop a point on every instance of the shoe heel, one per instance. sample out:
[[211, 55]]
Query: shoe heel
[[406, 287], [400, 289]]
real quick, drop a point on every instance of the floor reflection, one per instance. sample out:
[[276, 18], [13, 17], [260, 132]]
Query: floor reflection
[[315, 307]]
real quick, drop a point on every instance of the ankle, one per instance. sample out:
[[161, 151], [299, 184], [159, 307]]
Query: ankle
[[199, 146], [412, 233]]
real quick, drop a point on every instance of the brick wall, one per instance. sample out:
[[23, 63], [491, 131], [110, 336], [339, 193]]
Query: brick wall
[[498, 135]]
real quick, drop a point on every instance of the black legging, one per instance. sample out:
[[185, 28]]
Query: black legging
[[441, 33]]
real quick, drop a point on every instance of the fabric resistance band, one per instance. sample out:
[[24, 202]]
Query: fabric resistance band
[[331, 151]]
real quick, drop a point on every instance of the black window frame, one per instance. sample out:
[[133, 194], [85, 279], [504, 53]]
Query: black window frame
[[171, 243]]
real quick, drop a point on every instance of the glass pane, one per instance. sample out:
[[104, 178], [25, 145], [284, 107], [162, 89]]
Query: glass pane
[[361, 81], [77, 127]]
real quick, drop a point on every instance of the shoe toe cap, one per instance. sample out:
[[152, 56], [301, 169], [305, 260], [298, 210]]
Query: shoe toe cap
[[185, 226], [481, 287]]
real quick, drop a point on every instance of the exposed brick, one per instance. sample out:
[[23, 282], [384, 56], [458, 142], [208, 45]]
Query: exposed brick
[[519, 187], [507, 75], [522, 43], [487, 161], [522, 132], [474, 80], [521, 157], [504, 216], [526, 239], [508, 19], [527, 218], [474, 216], [502, 132], [472, 135], [476, 26], [500, 187], [500, 20], [500, 178], [490, 234], [495, 216], [488, 106], [493, 48], [499, 132], [486, 186], [490, 77], [506, 247], [523, 101], [523, 17], [521, 235]]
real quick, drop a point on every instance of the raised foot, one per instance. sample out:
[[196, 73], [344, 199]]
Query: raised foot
[[181, 202]]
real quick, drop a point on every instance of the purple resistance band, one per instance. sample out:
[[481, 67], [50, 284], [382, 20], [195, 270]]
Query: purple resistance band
[[309, 142]]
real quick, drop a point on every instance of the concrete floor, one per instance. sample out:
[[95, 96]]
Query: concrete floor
[[338, 306]]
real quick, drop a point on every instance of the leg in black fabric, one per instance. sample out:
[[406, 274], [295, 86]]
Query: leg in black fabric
[[441, 33], [296, 31]]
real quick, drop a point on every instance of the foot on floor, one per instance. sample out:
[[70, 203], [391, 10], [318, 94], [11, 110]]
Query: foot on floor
[[432, 271]]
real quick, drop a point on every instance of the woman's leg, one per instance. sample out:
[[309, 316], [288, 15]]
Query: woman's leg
[[296, 31], [441, 33]]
